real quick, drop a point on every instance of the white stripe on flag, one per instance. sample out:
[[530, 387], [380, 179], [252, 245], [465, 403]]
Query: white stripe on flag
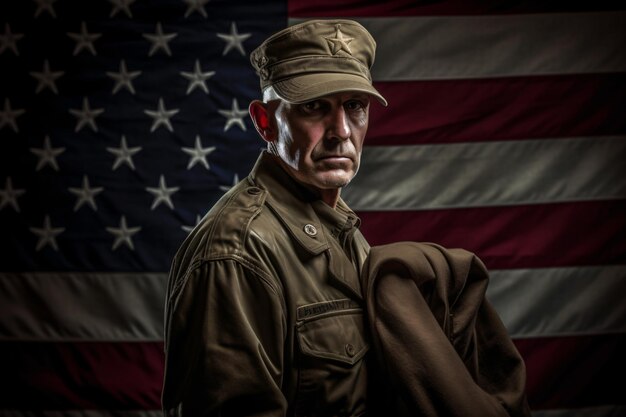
[[489, 174], [82, 306], [129, 307], [560, 301], [448, 47]]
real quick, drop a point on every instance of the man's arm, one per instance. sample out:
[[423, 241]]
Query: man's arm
[[224, 344]]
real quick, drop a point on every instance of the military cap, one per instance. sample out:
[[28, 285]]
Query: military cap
[[315, 58]]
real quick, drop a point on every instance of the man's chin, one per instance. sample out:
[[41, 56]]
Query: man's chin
[[332, 180]]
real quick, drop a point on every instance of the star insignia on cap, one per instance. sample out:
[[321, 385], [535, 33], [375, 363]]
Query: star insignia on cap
[[339, 42]]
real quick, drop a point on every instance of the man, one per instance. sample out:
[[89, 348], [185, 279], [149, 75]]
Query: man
[[264, 312], [266, 304]]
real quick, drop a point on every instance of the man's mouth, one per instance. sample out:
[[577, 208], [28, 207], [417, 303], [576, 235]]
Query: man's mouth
[[338, 158]]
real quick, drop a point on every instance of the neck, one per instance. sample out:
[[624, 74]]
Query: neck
[[330, 196]]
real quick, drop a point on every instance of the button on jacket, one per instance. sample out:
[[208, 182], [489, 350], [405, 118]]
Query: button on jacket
[[264, 307]]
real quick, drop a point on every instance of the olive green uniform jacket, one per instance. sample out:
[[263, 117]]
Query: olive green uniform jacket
[[264, 308]]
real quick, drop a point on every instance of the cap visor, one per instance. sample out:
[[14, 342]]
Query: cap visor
[[311, 86]]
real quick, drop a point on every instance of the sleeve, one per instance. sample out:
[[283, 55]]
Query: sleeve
[[439, 343], [225, 331]]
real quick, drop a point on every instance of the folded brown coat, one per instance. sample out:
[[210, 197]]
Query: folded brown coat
[[441, 348]]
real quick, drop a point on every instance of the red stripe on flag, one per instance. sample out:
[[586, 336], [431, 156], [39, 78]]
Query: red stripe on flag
[[563, 372], [575, 371], [446, 111], [360, 8], [528, 236], [81, 375]]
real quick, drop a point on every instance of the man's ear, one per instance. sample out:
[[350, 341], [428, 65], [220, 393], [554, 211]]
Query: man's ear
[[263, 122]]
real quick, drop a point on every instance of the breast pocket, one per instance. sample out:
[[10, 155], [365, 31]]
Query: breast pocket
[[331, 344]]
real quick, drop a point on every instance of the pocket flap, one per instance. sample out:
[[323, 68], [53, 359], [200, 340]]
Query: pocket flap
[[339, 337]]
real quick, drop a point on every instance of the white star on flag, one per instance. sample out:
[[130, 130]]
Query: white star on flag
[[47, 234], [197, 78], [198, 154], [161, 116], [46, 78], [123, 78], [123, 234], [159, 40], [86, 116], [228, 187], [196, 6], [8, 115], [190, 228], [84, 39], [162, 194], [124, 154], [121, 6], [85, 194], [9, 195], [45, 5], [234, 40], [8, 40], [234, 116], [47, 155]]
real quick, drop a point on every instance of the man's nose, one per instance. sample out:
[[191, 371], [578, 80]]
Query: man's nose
[[339, 127]]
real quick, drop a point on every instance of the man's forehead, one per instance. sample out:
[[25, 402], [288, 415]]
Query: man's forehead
[[271, 95], [340, 97], [343, 95]]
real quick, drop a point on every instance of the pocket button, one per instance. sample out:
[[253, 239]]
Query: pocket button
[[350, 350]]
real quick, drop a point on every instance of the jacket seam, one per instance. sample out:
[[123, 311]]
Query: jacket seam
[[243, 261]]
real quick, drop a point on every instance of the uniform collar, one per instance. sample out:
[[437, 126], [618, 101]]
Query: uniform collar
[[300, 212], [292, 203]]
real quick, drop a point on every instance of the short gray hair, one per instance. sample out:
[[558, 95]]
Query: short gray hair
[[270, 94]]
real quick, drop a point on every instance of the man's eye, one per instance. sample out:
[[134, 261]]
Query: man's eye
[[312, 105], [354, 105]]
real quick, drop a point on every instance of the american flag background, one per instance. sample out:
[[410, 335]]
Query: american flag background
[[123, 121]]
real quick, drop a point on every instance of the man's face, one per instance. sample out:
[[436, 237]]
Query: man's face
[[320, 141]]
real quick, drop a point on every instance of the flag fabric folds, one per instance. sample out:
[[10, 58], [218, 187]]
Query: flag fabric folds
[[123, 121]]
